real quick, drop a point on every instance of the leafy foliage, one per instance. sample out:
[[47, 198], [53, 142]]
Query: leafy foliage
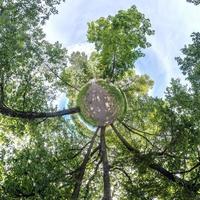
[[119, 39], [153, 153], [195, 2]]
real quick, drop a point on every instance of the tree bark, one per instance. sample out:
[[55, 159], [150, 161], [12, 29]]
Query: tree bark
[[106, 176], [4, 110], [30, 115], [171, 177], [167, 174], [91, 179], [81, 172], [123, 140]]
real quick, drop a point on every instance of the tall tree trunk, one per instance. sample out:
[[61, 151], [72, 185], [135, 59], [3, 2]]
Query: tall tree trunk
[[164, 172], [4, 110], [81, 172], [106, 176]]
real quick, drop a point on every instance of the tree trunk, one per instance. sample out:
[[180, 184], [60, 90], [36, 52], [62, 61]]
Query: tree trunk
[[126, 144], [4, 110], [81, 172], [106, 176], [167, 174]]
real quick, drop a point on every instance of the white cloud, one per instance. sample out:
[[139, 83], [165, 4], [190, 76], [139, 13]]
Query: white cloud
[[172, 20], [82, 47]]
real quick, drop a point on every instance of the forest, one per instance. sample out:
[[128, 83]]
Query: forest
[[114, 141]]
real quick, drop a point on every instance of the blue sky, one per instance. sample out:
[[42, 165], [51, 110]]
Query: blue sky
[[172, 20]]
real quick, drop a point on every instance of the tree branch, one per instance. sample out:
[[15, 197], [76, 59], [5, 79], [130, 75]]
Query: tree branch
[[183, 172], [113, 69], [131, 130], [5, 110], [121, 169], [2, 89], [56, 75], [167, 174], [80, 150], [92, 178], [126, 144], [171, 177], [135, 129]]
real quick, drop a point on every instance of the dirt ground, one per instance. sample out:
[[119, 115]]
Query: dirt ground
[[100, 105]]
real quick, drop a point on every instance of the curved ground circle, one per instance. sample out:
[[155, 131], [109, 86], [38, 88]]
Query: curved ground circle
[[99, 102]]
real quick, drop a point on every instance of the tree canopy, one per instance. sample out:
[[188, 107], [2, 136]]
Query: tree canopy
[[195, 2], [152, 151]]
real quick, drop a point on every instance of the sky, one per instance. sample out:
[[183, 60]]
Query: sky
[[172, 20]]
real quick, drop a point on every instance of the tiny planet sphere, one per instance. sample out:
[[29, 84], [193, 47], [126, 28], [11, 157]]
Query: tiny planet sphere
[[101, 103]]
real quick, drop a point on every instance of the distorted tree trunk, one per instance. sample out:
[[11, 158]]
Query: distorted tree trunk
[[4, 110], [7, 111], [81, 171], [91, 179], [123, 140], [106, 176], [164, 172]]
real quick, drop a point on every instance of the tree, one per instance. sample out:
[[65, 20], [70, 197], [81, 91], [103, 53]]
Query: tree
[[118, 40], [147, 147], [25, 54], [195, 2]]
